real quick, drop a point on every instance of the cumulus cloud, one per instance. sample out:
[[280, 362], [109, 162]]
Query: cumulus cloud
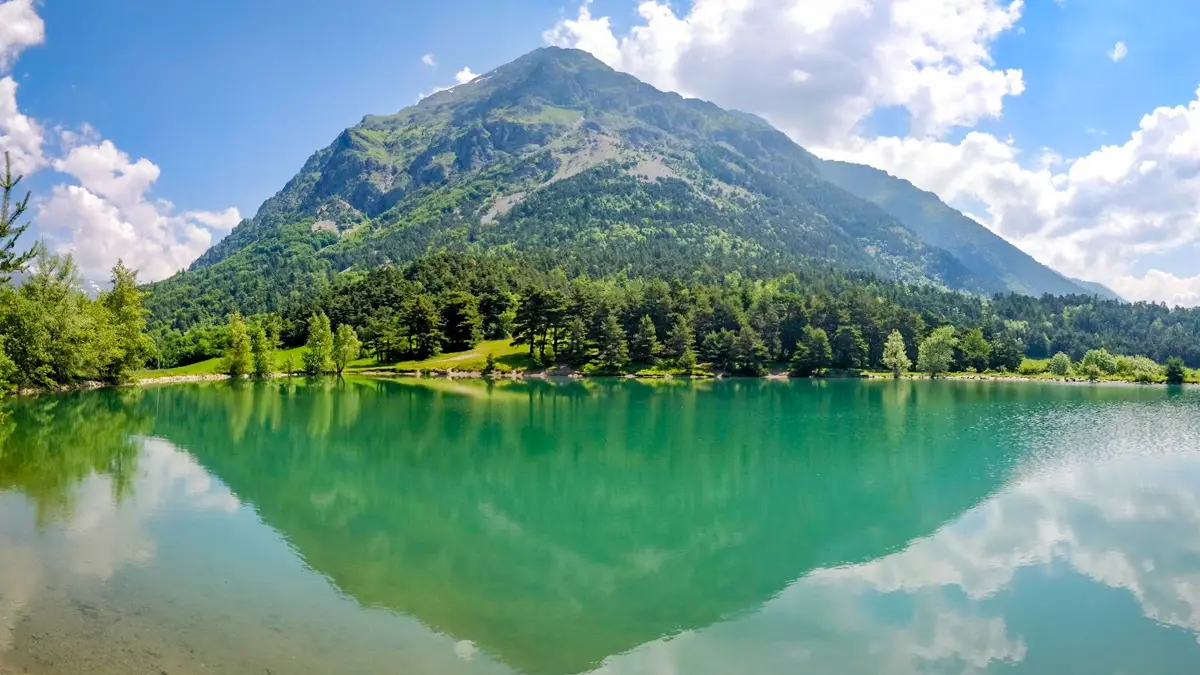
[[465, 75], [20, 136], [1092, 217], [428, 60], [1119, 51], [20, 28], [817, 69], [109, 215]]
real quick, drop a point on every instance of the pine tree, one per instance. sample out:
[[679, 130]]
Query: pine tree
[[464, 325], [424, 327], [680, 337], [346, 347], [849, 347], [1175, 370], [10, 212], [237, 353], [577, 348], [318, 357], [644, 344], [613, 349]]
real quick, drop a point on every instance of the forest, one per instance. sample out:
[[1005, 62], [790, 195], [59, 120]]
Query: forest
[[810, 320], [805, 322], [51, 333]]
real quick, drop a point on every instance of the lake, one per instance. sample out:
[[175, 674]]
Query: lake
[[616, 527]]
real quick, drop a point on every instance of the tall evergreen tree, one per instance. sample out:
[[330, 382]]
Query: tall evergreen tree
[[463, 323], [423, 325], [11, 210], [643, 346], [849, 347], [612, 346]]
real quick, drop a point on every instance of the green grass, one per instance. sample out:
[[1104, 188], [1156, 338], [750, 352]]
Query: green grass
[[213, 366], [508, 357]]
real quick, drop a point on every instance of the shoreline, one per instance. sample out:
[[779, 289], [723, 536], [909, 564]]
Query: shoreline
[[572, 374]]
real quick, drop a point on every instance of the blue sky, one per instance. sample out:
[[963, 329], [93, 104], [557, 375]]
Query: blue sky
[[1002, 108]]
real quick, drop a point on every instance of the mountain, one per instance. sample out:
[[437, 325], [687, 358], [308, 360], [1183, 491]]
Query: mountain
[[937, 224], [1096, 288], [557, 155]]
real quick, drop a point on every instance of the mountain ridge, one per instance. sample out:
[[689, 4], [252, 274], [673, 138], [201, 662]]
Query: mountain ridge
[[556, 154]]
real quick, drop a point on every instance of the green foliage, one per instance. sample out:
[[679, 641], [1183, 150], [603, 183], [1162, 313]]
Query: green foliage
[[686, 361], [895, 355], [423, 325], [849, 348], [1175, 371], [463, 324], [346, 347], [936, 353], [1060, 365], [237, 363], [813, 354], [975, 352], [1091, 371], [749, 353], [643, 346], [318, 356], [489, 367], [128, 319], [577, 341], [55, 335], [11, 210], [262, 350], [1105, 362], [612, 347]]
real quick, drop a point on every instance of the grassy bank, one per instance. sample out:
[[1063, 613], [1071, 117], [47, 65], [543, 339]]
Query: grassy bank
[[515, 359]]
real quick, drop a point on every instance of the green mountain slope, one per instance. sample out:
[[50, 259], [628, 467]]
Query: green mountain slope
[[554, 154], [1096, 288], [982, 251]]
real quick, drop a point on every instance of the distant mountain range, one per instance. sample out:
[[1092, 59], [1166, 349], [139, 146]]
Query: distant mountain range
[[558, 155]]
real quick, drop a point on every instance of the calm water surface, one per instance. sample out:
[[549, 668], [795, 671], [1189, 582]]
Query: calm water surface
[[610, 527]]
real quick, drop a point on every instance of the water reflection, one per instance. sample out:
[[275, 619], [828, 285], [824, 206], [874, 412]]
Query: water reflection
[[622, 527]]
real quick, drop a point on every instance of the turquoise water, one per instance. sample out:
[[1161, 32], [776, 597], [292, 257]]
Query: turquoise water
[[548, 528]]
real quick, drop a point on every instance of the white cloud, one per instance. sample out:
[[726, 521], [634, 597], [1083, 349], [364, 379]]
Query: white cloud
[[1092, 217], [219, 220], [110, 216], [428, 60], [20, 135], [1119, 51], [817, 69], [465, 75], [20, 28]]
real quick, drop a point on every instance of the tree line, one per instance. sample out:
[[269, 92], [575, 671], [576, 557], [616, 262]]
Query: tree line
[[51, 333], [735, 324]]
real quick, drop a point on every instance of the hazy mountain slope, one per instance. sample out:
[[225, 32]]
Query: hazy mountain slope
[[983, 252], [1097, 288], [554, 153]]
